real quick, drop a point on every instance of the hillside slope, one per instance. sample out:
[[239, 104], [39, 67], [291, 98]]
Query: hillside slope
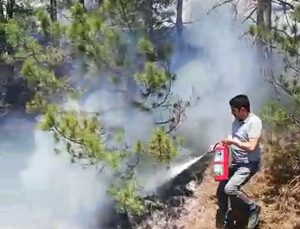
[[201, 208]]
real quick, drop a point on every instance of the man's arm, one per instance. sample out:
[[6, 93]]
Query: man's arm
[[248, 146], [254, 137]]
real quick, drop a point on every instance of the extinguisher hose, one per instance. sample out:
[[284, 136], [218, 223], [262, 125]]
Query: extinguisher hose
[[215, 145], [213, 149]]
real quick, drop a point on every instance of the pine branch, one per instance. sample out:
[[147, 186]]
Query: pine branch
[[250, 15], [277, 83], [69, 139], [124, 15], [220, 4], [166, 95], [285, 4]]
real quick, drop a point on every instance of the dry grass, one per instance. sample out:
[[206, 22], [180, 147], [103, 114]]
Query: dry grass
[[201, 209], [273, 216], [276, 187]]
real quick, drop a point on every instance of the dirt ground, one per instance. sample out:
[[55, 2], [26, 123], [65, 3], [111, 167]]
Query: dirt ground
[[201, 207]]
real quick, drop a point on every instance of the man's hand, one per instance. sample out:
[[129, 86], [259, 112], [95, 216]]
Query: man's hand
[[229, 141]]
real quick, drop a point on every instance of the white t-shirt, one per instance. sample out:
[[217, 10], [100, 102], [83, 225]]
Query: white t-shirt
[[251, 127]]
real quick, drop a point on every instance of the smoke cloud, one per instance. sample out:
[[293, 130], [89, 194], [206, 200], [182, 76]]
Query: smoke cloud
[[225, 66], [44, 190], [40, 189]]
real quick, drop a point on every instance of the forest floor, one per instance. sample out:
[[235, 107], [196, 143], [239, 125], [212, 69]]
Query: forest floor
[[200, 209]]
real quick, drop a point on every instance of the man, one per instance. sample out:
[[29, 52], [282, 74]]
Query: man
[[245, 157]]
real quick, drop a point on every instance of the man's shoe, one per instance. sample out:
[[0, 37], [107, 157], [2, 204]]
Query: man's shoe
[[253, 217], [221, 219]]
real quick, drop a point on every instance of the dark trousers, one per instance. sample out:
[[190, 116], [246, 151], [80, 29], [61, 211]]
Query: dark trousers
[[239, 175]]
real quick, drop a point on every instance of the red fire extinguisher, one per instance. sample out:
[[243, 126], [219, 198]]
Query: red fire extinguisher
[[221, 162]]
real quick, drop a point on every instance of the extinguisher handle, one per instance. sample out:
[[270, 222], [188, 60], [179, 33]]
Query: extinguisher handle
[[212, 150]]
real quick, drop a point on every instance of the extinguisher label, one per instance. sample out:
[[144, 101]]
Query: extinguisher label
[[218, 169], [218, 157]]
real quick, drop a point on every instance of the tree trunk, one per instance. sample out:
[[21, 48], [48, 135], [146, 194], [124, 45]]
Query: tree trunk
[[264, 13], [10, 8], [263, 20], [179, 24], [148, 17], [82, 2], [1, 10], [53, 10]]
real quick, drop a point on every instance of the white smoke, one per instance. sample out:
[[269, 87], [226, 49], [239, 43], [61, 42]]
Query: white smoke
[[116, 112], [47, 191], [226, 66]]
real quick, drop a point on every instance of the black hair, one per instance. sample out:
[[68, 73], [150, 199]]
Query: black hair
[[240, 101]]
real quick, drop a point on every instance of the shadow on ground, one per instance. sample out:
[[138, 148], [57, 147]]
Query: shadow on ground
[[238, 216]]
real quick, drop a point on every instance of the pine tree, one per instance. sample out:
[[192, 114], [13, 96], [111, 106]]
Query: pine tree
[[102, 39]]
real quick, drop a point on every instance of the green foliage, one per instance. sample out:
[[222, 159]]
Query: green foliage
[[285, 38], [18, 10], [152, 78], [92, 38], [282, 117], [295, 14], [117, 39], [38, 104], [284, 160], [145, 46], [282, 157], [127, 197], [123, 13], [15, 34], [138, 16], [44, 20], [161, 146], [138, 147], [81, 135], [39, 76], [274, 113], [39, 62]]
